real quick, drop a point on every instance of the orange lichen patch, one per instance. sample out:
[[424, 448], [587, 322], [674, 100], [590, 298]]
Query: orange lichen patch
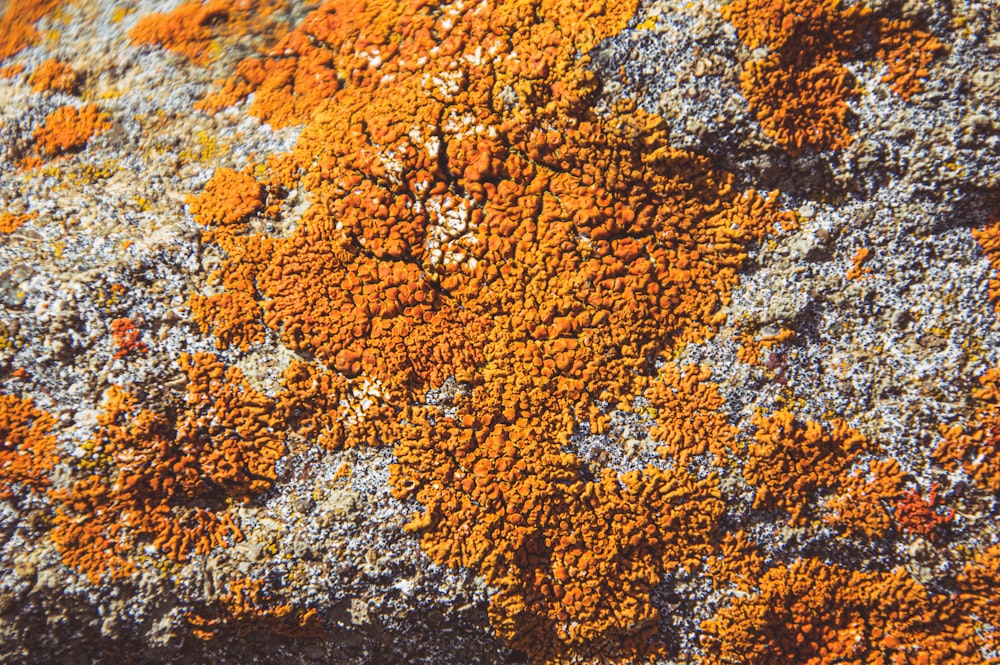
[[228, 200], [17, 24], [975, 445], [988, 238], [53, 76], [908, 53], [127, 338], [751, 349], [9, 222], [800, 89], [573, 560], [10, 71], [196, 29], [858, 267], [689, 417], [246, 608], [333, 411], [794, 465], [862, 503], [163, 479], [978, 586], [915, 514], [27, 445], [811, 612], [472, 218], [68, 128], [737, 563]]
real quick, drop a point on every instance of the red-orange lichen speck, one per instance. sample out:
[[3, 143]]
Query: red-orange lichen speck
[[127, 338], [800, 89], [27, 445], [920, 516], [69, 128]]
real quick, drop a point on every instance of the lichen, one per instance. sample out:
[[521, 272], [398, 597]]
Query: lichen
[[800, 89], [27, 445], [162, 478]]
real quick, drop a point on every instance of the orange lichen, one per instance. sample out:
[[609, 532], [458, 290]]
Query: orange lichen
[[10, 71], [27, 445], [573, 560], [915, 514], [195, 29], [975, 445], [331, 410], [54, 76], [858, 267], [800, 89], [228, 200], [978, 586], [247, 608], [751, 349], [907, 52], [807, 469], [472, 219], [736, 564], [9, 222], [811, 612], [17, 24], [689, 419], [163, 478], [69, 128], [127, 338], [988, 238]]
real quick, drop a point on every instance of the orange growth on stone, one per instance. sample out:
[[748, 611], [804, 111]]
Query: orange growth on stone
[[858, 268], [27, 445], [988, 238], [68, 128], [163, 479], [228, 200], [818, 613], [689, 417], [10, 71], [978, 584], [974, 446], [246, 608], [17, 24], [9, 222], [807, 470], [907, 52], [800, 89], [54, 76], [195, 28], [476, 231], [915, 514], [127, 338]]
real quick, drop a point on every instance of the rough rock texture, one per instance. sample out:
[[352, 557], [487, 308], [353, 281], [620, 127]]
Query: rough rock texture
[[499, 332]]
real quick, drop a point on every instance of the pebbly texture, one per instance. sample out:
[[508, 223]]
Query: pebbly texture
[[499, 332]]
